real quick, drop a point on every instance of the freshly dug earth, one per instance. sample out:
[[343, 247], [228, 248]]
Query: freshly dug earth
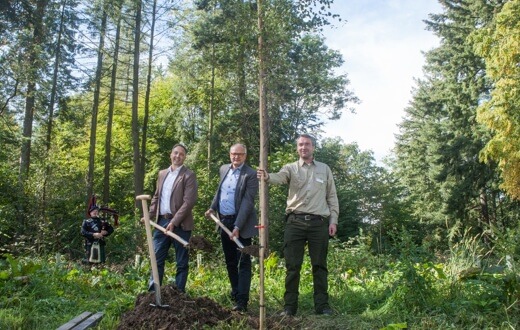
[[253, 250], [200, 243], [186, 312]]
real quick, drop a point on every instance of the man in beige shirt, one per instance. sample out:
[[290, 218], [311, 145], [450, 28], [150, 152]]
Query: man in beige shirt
[[311, 217]]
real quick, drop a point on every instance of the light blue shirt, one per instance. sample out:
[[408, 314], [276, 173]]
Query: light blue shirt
[[227, 191]]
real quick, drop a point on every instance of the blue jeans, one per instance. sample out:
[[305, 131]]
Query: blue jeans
[[238, 266], [162, 244]]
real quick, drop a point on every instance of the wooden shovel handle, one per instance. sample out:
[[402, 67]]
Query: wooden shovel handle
[[237, 241], [169, 233], [153, 261]]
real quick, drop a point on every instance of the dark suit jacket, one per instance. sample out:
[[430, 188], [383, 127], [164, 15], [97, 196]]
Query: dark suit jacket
[[245, 194], [183, 198]]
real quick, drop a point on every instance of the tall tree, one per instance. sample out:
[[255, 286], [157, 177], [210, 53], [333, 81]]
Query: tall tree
[[438, 146], [499, 44], [264, 138], [148, 87], [117, 7], [138, 174], [97, 92], [62, 79], [293, 53], [33, 66]]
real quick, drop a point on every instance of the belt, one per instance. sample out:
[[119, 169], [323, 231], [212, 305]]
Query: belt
[[229, 216], [307, 217], [167, 216]]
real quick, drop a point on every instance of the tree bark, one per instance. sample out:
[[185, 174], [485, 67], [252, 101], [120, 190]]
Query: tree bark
[[211, 138], [50, 117], [95, 103], [111, 102], [138, 175], [37, 39], [147, 94], [264, 138]]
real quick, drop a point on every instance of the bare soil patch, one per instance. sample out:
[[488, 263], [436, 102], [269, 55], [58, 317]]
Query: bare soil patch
[[185, 312]]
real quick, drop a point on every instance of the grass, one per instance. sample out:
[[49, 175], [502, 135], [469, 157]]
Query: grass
[[366, 291]]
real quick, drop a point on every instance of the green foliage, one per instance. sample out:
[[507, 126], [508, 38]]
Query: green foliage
[[395, 326], [498, 44], [438, 148], [367, 291], [57, 290], [16, 268], [429, 242]]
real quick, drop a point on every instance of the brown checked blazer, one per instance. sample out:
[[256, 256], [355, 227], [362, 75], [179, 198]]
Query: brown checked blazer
[[184, 196]]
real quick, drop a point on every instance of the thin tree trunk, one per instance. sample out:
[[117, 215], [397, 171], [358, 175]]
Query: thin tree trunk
[[32, 65], [138, 176], [111, 102], [50, 119], [38, 33], [484, 209], [264, 138], [95, 103], [245, 131], [147, 95], [211, 113]]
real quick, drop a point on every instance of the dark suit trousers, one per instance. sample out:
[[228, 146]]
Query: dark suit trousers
[[238, 265]]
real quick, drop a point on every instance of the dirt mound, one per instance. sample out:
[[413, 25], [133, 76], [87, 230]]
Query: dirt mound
[[185, 312]]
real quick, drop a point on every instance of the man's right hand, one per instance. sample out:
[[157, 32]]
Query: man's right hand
[[262, 175], [209, 213]]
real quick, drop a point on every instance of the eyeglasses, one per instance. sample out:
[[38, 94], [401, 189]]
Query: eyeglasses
[[233, 154]]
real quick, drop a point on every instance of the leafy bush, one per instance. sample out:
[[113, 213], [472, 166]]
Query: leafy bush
[[410, 287]]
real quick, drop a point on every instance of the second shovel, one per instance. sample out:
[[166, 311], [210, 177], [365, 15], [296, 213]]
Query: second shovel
[[251, 249]]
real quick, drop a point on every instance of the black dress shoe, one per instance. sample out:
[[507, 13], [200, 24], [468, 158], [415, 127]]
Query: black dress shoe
[[326, 311], [239, 308], [287, 312]]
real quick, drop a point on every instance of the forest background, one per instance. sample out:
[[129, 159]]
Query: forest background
[[94, 94]]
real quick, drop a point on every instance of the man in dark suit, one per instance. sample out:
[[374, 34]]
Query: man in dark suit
[[234, 202], [171, 206]]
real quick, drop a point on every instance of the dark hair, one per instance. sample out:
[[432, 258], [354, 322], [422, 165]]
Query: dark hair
[[307, 136], [180, 145]]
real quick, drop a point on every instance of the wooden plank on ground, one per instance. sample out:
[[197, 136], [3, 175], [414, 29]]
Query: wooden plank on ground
[[75, 321], [90, 322]]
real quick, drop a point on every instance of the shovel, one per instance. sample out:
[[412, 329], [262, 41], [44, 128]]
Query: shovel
[[153, 261], [171, 234], [196, 242], [251, 250], [237, 241]]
